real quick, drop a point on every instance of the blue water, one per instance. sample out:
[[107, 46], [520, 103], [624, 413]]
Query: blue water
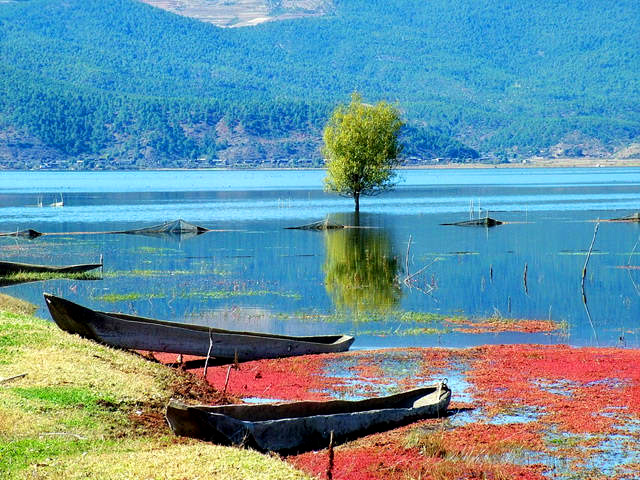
[[253, 274]]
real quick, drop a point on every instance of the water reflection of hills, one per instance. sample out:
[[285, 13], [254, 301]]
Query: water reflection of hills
[[361, 270]]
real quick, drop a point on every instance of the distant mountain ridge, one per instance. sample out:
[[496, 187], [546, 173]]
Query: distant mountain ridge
[[123, 84]]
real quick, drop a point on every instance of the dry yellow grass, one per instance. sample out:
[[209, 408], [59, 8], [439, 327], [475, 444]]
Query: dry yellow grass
[[15, 305]]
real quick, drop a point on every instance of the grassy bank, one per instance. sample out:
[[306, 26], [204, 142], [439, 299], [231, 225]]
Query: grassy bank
[[87, 411]]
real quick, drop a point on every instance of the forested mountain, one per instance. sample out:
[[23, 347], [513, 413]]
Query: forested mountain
[[122, 84]]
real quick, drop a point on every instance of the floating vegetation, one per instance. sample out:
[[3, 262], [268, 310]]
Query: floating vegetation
[[216, 271], [399, 316], [222, 294], [25, 277], [337, 317], [127, 297], [403, 332], [497, 324], [154, 250], [423, 317], [145, 273], [581, 253]]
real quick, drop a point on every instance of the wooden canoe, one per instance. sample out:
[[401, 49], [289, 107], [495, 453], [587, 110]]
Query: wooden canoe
[[7, 268], [296, 427], [176, 228], [478, 222], [28, 233], [140, 333]]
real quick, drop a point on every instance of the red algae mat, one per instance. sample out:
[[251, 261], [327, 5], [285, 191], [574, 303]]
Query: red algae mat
[[517, 411]]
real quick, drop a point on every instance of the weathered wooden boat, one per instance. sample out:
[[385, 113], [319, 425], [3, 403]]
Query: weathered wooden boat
[[632, 218], [28, 233], [7, 268], [478, 222], [139, 333], [175, 228], [319, 225], [302, 426]]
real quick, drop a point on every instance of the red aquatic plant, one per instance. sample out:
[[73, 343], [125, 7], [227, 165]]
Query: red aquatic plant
[[390, 456], [574, 388], [489, 439], [557, 401]]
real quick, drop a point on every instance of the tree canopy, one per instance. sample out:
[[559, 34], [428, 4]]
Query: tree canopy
[[361, 148]]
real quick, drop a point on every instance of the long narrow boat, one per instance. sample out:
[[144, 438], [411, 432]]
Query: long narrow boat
[[28, 233], [302, 426], [7, 268], [477, 222], [140, 333], [176, 228]]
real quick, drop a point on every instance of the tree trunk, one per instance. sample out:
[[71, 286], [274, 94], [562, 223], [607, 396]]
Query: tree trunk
[[356, 198]]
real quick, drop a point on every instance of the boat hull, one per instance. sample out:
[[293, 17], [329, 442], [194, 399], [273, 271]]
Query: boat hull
[[139, 333], [302, 426]]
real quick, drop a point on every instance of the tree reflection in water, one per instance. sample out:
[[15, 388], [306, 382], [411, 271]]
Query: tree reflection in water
[[361, 270]]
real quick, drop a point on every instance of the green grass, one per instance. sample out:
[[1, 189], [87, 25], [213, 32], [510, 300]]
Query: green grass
[[65, 396], [19, 454]]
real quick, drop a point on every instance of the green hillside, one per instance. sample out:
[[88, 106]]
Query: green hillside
[[126, 85]]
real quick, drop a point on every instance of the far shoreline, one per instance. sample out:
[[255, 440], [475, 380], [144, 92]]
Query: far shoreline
[[529, 163]]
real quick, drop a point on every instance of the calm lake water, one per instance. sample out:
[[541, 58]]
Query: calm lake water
[[252, 273]]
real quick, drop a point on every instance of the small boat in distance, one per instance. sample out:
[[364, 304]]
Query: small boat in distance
[[8, 268], [139, 333], [477, 222], [58, 204], [28, 233], [290, 428], [634, 217], [177, 228]]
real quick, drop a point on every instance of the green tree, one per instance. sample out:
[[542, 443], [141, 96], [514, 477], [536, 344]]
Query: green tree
[[361, 148]]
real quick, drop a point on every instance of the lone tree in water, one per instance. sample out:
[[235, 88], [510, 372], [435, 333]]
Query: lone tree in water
[[361, 148]]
